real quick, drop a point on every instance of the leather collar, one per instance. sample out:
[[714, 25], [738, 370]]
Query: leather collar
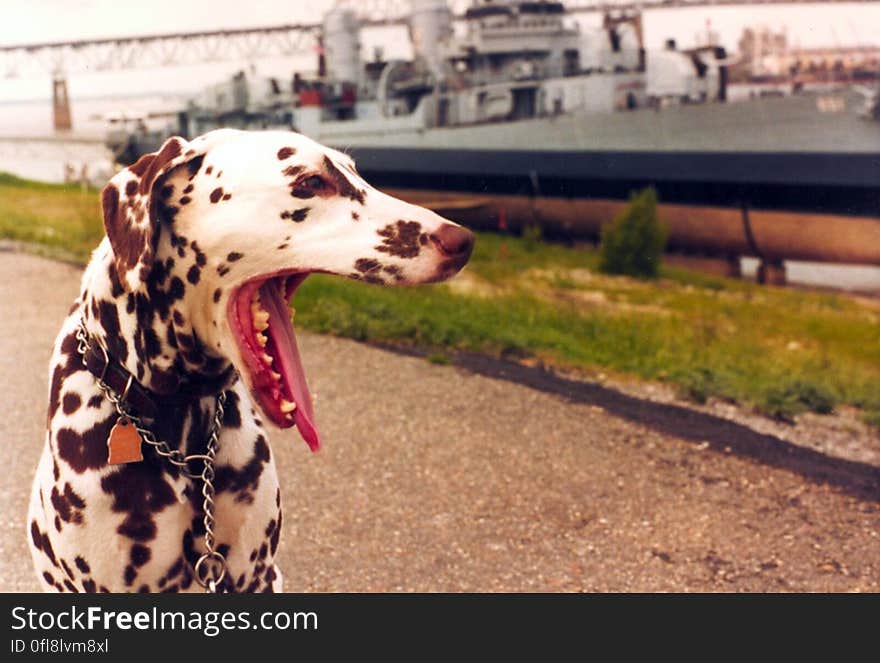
[[120, 381]]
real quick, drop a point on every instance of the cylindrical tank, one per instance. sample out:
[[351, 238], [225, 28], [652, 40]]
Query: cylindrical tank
[[430, 26], [342, 45]]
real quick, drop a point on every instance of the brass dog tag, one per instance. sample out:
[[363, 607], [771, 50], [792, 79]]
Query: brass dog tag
[[124, 443]]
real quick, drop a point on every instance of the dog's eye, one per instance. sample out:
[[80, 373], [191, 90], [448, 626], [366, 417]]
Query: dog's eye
[[313, 183]]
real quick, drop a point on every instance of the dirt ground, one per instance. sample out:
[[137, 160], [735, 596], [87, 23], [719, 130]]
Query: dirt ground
[[487, 476]]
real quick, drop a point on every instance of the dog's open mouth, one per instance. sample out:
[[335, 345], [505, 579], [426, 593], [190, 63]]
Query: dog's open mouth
[[260, 318]]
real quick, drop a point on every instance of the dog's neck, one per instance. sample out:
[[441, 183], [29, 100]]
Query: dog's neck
[[149, 332]]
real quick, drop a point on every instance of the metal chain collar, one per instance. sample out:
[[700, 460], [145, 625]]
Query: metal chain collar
[[210, 568]]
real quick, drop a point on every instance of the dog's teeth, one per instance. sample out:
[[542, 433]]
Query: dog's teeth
[[287, 406], [267, 358], [261, 340], [261, 319], [275, 376]]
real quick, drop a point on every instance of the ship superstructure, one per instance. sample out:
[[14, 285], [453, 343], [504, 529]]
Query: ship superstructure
[[517, 97]]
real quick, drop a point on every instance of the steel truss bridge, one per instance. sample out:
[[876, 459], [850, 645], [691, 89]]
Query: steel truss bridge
[[249, 44]]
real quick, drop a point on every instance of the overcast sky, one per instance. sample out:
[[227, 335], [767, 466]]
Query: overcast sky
[[28, 21]]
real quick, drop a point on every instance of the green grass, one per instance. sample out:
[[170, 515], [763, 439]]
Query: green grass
[[780, 351], [63, 220]]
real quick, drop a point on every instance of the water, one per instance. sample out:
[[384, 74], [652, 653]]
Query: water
[[45, 160]]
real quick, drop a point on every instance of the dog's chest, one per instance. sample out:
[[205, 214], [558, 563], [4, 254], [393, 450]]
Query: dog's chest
[[140, 526]]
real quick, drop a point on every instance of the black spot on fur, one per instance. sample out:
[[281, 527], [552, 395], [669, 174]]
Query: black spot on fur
[[108, 316], [71, 402], [367, 265], [140, 555], [286, 153], [235, 255], [42, 543], [231, 413], [176, 289], [82, 564], [302, 192], [67, 569], [216, 195], [245, 480], [201, 258], [297, 215], [116, 288], [401, 239], [139, 492], [369, 271], [68, 505], [217, 293], [193, 274], [152, 345], [87, 450]]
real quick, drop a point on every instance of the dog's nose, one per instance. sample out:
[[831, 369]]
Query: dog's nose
[[453, 241]]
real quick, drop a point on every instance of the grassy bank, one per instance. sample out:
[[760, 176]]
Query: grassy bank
[[62, 219], [776, 350]]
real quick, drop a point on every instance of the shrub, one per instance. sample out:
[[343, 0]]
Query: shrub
[[791, 398], [633, 243]]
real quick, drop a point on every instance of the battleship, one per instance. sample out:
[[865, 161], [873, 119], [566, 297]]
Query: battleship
[[519, 101]]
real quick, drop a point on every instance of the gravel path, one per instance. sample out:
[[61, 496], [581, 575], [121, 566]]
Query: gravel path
[[489, 477]]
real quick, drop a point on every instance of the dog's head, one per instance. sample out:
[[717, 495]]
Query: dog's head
[[246, 217]]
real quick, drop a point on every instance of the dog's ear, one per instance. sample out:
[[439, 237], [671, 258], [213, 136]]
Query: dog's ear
[[133, 200]]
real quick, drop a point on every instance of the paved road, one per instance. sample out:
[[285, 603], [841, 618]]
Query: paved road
[[443, 478]]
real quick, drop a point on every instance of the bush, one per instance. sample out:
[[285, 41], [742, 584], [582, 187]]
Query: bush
[[633, 243], [789, 399]]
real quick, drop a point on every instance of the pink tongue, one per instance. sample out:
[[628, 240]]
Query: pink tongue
[[288, 362]]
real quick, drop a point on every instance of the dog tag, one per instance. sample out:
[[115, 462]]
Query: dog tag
[[124, 443]]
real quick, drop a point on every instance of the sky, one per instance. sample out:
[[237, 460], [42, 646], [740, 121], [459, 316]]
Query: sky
[[30, 21]]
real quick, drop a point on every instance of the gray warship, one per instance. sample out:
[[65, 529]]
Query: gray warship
[[519, 100]]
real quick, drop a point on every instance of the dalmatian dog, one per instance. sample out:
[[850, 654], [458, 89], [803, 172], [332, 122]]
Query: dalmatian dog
[[188, 296]]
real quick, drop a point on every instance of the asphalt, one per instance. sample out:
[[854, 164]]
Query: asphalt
[[492, 477]]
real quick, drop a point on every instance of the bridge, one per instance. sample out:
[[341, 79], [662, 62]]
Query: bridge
[[251, 43]]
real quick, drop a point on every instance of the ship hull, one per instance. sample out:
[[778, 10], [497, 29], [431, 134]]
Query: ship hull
[[809, 152]]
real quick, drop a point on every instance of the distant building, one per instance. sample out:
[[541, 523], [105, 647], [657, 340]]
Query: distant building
[[766, 54]]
